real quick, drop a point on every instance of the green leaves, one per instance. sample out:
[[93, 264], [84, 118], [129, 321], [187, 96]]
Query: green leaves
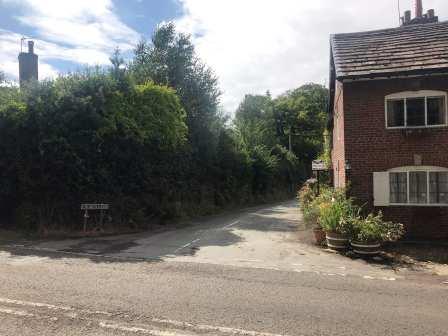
[[300, 117], [373, 228], [170, 60], [83, 135], [159, 114]]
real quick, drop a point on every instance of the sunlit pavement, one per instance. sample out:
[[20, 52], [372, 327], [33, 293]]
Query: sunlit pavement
[[257, 238]]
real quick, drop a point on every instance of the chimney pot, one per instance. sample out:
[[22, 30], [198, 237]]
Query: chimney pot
[[431, 13], [407, 16], [31, 47], [418, 8]]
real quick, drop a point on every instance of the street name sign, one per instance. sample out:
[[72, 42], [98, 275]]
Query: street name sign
[[94, 206], [319, 166]]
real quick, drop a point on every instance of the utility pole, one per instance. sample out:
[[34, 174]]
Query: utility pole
[[290, 138]]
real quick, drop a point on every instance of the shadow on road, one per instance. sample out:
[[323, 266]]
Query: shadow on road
[[215, 231]]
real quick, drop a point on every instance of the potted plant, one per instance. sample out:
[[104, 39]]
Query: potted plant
[[334, 217], [319, 234], [370, 232], [309, 203]]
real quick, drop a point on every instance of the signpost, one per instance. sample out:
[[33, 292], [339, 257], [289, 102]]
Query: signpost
[[318, 166], [86, 207]]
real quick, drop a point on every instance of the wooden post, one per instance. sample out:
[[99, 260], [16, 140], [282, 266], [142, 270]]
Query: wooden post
[[318, 182], [86, 216], [101, 218]]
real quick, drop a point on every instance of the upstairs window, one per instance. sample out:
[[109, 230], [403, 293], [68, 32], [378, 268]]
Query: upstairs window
[[416, 109]]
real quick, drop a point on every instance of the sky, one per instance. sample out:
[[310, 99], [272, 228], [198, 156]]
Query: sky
[[252, 45]]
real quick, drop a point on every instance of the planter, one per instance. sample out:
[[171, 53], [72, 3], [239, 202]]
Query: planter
[[319, 235], [366, 248], [337, 241]]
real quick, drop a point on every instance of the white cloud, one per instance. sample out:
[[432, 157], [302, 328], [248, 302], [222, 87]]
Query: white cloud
[[256, 45], [81, 31], [10, 47]]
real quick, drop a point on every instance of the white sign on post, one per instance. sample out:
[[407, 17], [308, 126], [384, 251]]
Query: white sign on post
[[87, 207], [94, 206], [319, 166]]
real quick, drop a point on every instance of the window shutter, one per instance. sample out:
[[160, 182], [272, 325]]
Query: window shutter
[[381, 189]]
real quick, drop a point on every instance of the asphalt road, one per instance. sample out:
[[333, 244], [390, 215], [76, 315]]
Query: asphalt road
[[238, 274]]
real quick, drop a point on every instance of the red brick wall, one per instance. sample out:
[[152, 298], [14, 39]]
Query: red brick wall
[[369, 148], [338, 152]]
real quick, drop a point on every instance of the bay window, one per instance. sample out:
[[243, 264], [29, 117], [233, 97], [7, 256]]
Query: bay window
[[416, 109], [438, 187], [398, 188], [418, 187], [411, 186]]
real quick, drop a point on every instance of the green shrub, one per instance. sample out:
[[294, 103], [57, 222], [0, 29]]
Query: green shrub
[[374, 229]]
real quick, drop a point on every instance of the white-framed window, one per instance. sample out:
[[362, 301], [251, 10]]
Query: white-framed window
[[411, 186], [416, 109]]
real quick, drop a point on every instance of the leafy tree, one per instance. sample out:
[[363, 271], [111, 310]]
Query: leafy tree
[[170, 59], [118, 68], [300, 115], [149, 138], [255, 122]]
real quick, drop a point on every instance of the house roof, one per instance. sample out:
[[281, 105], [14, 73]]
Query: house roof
[[413, 49]]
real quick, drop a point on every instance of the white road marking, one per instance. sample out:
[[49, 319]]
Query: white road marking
[[35, 304], [186, 245], [388, 279], [368, 277], [208, 328], [77, 254], [49, 306], [20, 313], [70, 311], [250, 260], [231, 224], [139, 330]]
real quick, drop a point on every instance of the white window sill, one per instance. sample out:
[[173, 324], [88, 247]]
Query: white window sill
[[417, 205], [416, 127]]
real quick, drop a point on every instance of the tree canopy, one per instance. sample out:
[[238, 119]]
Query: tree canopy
[[148, 137]]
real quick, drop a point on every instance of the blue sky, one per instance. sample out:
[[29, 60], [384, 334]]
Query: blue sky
[[252, 45], [68, 50]]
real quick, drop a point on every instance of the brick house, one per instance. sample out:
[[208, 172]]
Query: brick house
[[388, 100]]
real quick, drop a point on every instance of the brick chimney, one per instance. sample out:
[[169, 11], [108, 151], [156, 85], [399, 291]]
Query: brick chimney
[[28, 65], [420, 18]]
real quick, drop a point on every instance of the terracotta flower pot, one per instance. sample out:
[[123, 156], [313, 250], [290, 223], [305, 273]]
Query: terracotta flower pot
[[337, 241], [366, 248], [319, 235]]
